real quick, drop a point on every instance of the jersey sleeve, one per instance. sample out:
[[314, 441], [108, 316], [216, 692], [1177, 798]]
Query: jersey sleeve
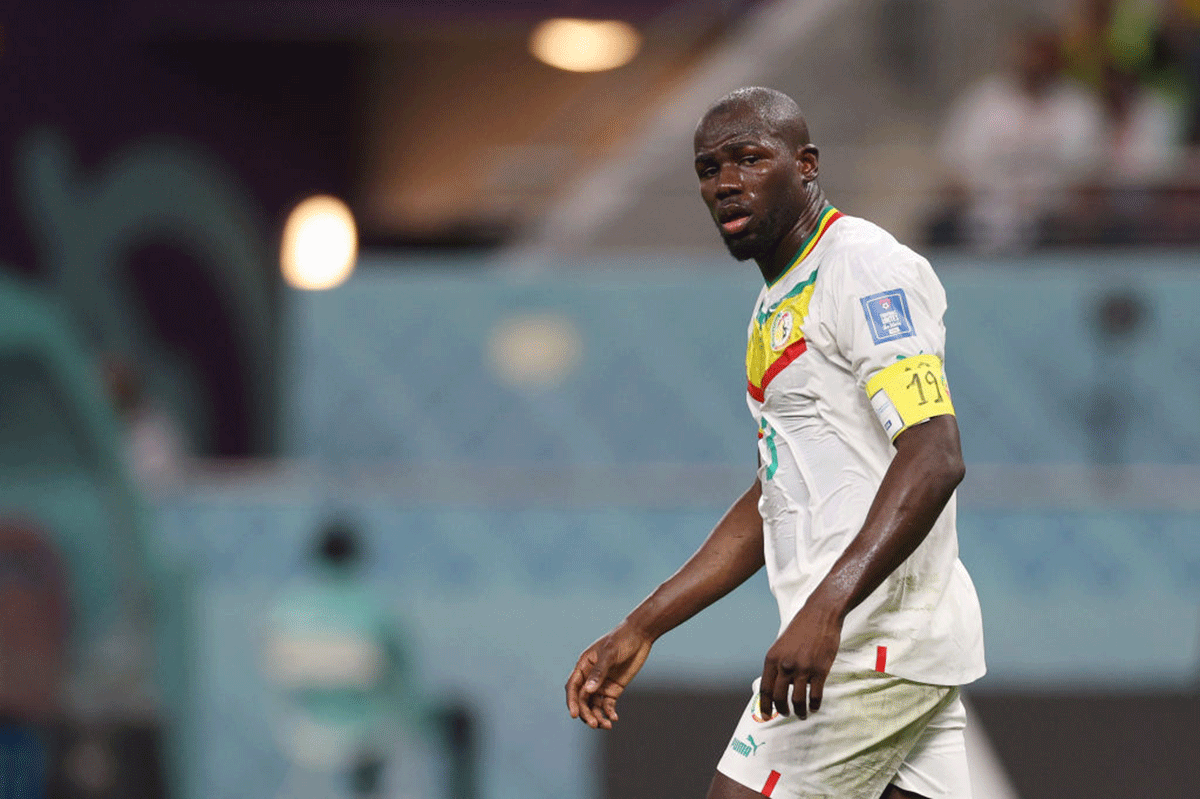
[[889, 328]]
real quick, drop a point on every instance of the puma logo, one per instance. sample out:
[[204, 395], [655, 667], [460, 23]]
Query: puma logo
[[745, 748]]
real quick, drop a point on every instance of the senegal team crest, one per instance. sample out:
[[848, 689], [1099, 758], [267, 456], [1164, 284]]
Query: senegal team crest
[[781, 329], [776, 333]]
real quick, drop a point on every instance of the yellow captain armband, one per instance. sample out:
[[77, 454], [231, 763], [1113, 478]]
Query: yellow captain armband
[[909, 392]]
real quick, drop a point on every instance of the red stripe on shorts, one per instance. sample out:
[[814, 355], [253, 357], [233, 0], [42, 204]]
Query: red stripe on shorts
[[881, 658], [770, 786]]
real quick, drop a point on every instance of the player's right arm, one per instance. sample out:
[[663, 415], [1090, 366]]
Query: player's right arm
[[732, 553]]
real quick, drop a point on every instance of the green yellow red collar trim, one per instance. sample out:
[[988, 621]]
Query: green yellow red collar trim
[[828, 217]]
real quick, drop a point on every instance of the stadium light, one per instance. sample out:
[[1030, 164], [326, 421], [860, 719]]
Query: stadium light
[[320, 244], [584, 45], [534, 350]]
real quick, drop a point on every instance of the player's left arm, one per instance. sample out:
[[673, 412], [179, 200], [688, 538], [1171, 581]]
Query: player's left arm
[[899, 359], [928, 466]]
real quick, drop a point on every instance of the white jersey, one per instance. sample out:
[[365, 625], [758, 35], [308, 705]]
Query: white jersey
[[854, 302]]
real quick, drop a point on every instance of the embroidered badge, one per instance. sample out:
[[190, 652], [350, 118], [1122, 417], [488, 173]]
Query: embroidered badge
[[888, 316], [781, 330]]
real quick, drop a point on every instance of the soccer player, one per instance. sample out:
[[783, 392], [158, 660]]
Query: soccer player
[[852, 511]]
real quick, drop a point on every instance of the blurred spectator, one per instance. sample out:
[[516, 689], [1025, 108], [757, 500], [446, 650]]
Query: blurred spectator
[[1141, 149], [33, 654], [1120, 33], [947, 226], [154, 442], [334, 656], [1143, 130], [1181, 39], [1149, 41], [1017, 141]]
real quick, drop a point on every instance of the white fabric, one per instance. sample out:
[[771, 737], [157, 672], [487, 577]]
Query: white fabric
[[1146, 145], [936, 767], [830, 453], [872, 730]]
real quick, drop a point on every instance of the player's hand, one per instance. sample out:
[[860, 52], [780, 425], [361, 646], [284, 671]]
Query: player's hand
[[603, 671], [800, 660]]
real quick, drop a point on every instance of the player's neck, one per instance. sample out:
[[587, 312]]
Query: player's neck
[[777, 261]]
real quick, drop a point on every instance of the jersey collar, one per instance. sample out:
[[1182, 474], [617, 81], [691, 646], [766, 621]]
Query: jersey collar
[[827, 218]]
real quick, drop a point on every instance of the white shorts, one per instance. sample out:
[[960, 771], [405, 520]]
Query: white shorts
[[872, 729]]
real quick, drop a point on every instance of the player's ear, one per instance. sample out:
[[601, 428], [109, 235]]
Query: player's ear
[[807, 158]]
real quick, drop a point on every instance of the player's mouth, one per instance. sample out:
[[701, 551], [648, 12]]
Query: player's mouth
[[733, 221]]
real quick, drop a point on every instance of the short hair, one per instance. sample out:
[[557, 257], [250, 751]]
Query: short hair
[[770, 105], [339, 544]]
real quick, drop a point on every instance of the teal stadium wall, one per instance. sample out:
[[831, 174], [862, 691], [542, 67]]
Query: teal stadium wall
[[62, 474], [510, 523]]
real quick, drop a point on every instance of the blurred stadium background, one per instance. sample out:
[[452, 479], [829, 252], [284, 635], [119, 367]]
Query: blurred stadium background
[[322, 497]]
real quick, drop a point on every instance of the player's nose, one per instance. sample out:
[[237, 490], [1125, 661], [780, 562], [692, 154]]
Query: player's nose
[[729, 181]]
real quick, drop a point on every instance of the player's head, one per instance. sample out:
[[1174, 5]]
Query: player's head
[[1037, 57], [757, 168], [338, 546]]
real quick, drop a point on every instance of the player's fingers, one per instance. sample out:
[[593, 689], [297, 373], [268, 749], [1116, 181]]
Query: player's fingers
[[799, 692], [572, 687], [779, 691], [816, 692], [581, 695], [606, 711], [596, 674], [575, 682], [601, 707], [766, 688], [597, 711], [587, 713]]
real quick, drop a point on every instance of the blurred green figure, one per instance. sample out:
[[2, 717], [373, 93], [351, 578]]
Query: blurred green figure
[[340, 671]]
